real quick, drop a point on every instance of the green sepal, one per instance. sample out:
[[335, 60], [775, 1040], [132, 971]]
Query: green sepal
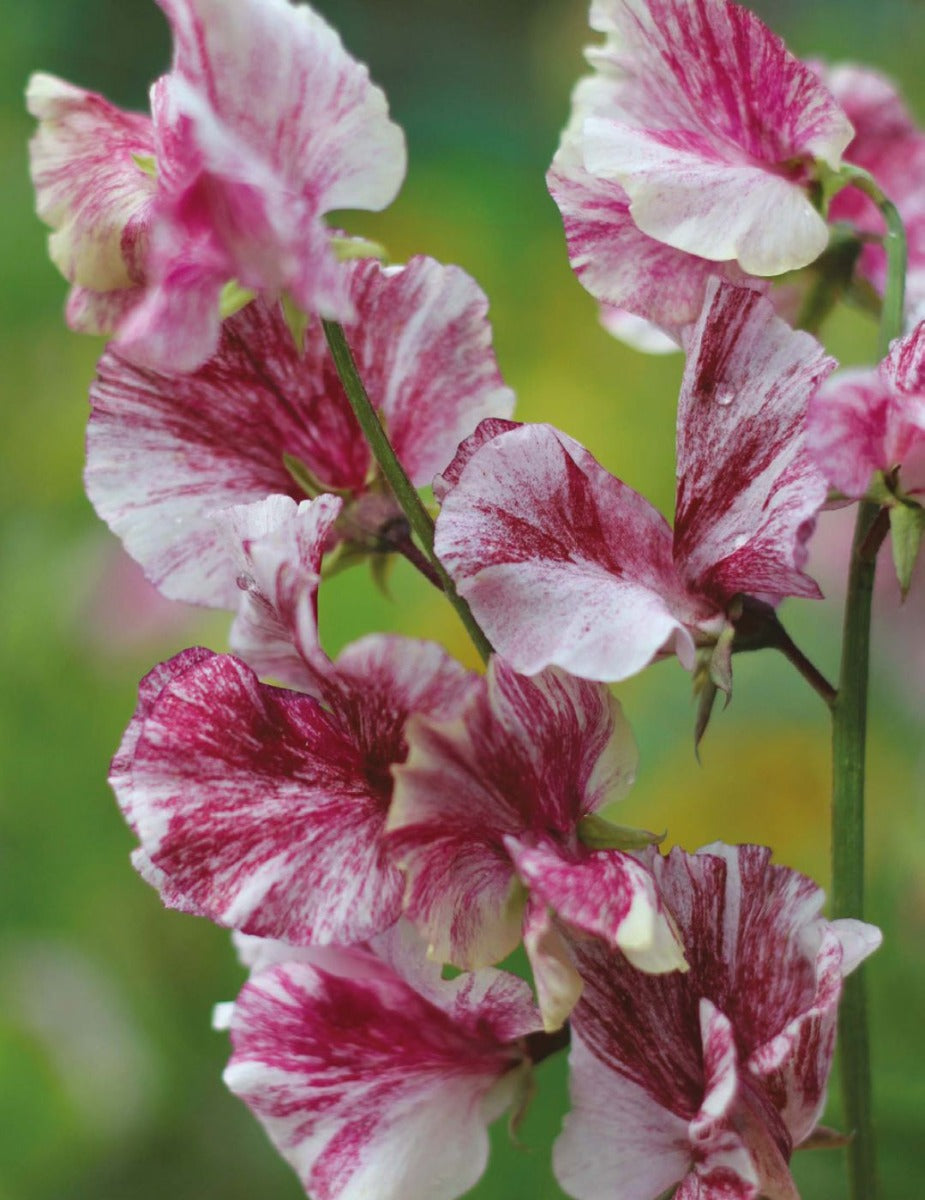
[[524, 1090], [308, 481], [824, 1138], [348, 248], [380, 568], [598, 833], [233, 298], [907, 527], [146, 163], [297, 320], [344, 556]]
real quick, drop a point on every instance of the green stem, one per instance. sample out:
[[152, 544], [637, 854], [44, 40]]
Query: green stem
[[406, 494], [849, 737]]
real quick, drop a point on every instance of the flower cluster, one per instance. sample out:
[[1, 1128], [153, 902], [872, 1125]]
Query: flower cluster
[[363, 822]]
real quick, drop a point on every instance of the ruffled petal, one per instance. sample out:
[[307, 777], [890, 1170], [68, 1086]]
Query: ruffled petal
[[740, 1045], [279, 547], [561, 563], [526, 757], [165, 451], [683, 194], [271, 124], [748, 490], [846, 429], [607, 894], [615, 1131], [366, 1087], [259, 808], [89, 185], [709, 111], [422, 343]]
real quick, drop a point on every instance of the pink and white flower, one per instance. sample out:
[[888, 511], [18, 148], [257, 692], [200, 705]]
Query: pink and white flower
[[374, 1076], [486, 820], [865, 421], [91, 186], [889, 145], [263, 126], [166, 451], [701, 132], [263, 808], [564, 565], [649, 291], [710, 1079]]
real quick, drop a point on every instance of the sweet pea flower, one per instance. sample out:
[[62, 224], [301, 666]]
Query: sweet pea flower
[[868, 420], [709, 1080], [166, 451], [264, 808], [486, 821], [694, 143], [887, 143], [88, 162], [648, 291], [263, 126], [375, 1077], [564, 565]]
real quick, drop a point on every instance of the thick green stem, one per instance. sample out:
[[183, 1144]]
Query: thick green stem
[[405, 493], [849, 732], [849, 736]]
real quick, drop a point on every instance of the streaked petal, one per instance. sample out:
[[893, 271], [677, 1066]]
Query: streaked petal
[[608, 894], [527, 757], [260, 808], [748, 490], [615, 1131], [89, 185], [366, 1087], [846, 429], [684, 194], [562, 563], [278, 546]]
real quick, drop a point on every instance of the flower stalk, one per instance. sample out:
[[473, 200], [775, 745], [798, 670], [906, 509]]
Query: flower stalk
[[849, 736], [405, 493]]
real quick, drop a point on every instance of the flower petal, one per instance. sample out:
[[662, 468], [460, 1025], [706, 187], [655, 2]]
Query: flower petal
[[165, 451], [561, 563], [259, 808], [422, 343], [712, 109], [526, 757], [615, 1131], [365, 1086], [685, 195], [846, 429], [279, 547], [608, 894], [748, 491], [89, 185]]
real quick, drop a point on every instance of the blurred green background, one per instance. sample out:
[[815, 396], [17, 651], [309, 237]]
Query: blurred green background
[[109, 1075]]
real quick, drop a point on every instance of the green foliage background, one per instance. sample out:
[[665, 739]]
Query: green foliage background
[[109, 1076]]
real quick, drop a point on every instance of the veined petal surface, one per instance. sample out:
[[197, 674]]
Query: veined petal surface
[[748, 490], [739, 1047], [270, 125], [525, 761], [258, 806], [165, 451], [864, 421], [279, 546], [90, 188], [372, 1084], [562, 563], [709, 124]]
